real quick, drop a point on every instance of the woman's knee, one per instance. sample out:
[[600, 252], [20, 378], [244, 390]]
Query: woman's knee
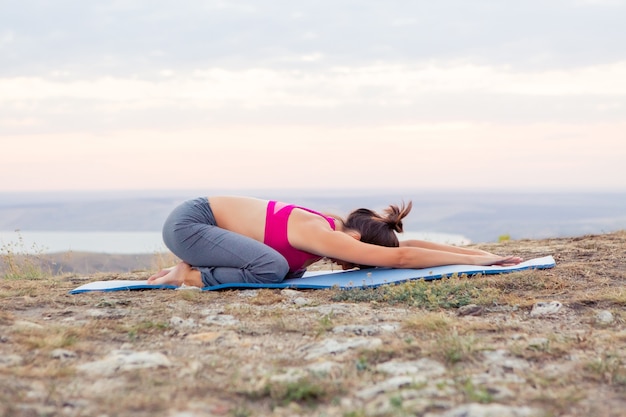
[[271, 270]]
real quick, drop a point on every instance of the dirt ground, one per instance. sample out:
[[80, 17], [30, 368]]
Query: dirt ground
[[531, 343]]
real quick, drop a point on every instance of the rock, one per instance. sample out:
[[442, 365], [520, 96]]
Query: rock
[[324, 368], [470, 310], [62, 354], [124, 360], [180, 323], [289, 376], [425, 367], [605, 317], [7, 361], [546, 308], [326, 309], [336, 346], [222, 320], [101, 313], [391, 384], [501, 367], [489, 410], [23, 324], [367, 330], [205, 337], [300, 301], [290, 293], [248, 293]]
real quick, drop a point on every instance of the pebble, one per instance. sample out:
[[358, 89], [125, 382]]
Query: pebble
[[546, 308], [7, 361], [301, 301], [391, 384], [290, 293], [337, 346], [181, 323], [470, 310], [605, 317], [367, 330], [222, 320], [62, 354]]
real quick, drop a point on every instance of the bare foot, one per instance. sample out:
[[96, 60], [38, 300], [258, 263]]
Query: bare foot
[[178, 275]]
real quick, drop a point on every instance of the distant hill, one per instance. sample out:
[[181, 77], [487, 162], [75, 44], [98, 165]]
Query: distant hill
[[480, 216]]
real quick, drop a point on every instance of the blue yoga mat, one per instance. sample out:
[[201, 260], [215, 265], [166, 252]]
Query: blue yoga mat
[[340, 279]]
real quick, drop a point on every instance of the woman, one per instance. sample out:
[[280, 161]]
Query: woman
[[227, 239]]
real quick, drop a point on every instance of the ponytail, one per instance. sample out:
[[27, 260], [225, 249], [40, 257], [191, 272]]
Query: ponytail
[[377, 229]]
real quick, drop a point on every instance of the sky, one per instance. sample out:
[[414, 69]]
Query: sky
[[420, 94]]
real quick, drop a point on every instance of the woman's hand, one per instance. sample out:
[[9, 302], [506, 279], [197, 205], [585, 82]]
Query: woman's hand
[[486, 260]]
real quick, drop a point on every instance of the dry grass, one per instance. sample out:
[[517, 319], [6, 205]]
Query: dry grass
[[244, 353]]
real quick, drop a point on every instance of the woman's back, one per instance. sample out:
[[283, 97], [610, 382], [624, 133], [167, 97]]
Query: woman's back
[[243, 215]]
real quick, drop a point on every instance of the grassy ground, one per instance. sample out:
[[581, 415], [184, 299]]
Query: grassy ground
[[454, 342]]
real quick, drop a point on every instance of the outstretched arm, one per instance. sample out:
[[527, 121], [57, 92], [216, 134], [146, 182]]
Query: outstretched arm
[[441, 247], [415, 254]]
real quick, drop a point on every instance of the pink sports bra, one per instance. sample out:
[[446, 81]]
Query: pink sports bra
[[276, 234]]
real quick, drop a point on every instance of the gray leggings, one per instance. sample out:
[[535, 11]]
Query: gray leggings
[[221, 256]]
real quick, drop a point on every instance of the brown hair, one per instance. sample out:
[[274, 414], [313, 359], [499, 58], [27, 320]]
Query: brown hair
[[377, 229]]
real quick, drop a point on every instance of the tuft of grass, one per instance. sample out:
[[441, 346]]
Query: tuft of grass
[[145, 327], [325, 323], [48, 338], [453, 348], [306, 391], [609, 368], [446, 293], [475, 394], [19, 263], [428, 322]]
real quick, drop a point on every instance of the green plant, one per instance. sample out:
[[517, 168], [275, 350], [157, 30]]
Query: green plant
[[303, 391], [504, 238], [610, 368], [325, 323], [474, 393], [445, 293]]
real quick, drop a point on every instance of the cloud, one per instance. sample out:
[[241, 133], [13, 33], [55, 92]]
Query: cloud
[[133, 38]]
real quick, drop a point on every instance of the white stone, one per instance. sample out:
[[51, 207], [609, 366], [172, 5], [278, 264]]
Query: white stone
[[546, 308], [23, 324], [605, 317], [62, 354], [367, 330], [222, 320], [489, 410], [336, 346], [391, 384], [181, 323], [301, 301], [426, 367], [6, 361], [124, 360]]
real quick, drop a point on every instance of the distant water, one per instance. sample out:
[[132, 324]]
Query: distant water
[[133, 242], [133, 219]]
